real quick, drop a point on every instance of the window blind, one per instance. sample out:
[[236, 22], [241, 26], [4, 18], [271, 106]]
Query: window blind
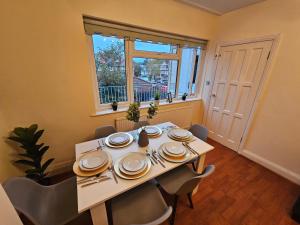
[[108, 28]]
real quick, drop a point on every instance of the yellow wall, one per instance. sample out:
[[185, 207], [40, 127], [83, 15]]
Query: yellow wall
[[45, 74], [274, 133]]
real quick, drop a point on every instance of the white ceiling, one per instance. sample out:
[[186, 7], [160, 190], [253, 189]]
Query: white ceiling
[[220, 6]]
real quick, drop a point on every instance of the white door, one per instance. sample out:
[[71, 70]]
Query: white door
[[238, 75]]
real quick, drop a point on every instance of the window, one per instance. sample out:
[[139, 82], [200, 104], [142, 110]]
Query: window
[[152, 76], [109, 55], [153, 47], [188, 71], [129, 67]]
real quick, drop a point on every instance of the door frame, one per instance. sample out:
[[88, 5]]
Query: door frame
[[262, 84]]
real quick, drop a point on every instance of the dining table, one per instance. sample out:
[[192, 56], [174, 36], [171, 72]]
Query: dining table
[[93, 197]]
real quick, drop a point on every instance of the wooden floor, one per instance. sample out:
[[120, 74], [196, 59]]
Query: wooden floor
[[239, 192]]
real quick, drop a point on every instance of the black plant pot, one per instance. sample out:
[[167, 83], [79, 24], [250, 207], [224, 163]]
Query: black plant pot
[[114, 107], [183, 98]]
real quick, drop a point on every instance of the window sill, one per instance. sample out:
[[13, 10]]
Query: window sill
[[122, 109]]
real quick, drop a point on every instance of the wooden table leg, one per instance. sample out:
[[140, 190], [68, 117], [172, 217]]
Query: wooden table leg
[[99, 215], [199, 168]]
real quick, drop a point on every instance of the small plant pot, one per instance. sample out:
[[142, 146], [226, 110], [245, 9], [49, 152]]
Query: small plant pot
[[183, 98], [114, 107], [156, 102]]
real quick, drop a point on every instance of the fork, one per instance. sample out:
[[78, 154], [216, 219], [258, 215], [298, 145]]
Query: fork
[[96, 181], [111, 169], [151, 159]]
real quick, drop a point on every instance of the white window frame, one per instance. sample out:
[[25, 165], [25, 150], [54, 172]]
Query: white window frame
[[131, 53]]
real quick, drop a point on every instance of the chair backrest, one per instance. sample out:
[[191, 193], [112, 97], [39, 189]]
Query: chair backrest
[[43, 205], [199, 131], [140, 124], [190, 184], [104, 131], [27, 197]]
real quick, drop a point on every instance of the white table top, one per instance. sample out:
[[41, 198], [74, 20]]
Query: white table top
[[90, 196]]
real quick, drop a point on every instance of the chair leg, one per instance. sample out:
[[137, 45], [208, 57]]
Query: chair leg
[[109, 212], [190, 200], [172, 220]]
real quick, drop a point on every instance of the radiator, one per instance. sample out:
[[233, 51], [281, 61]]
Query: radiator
[[181, 116]]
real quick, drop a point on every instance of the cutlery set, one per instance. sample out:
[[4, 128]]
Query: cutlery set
[[154, 157], [185, 144]]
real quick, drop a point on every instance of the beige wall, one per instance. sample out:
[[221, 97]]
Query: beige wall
[[45, 74], [274, 135]]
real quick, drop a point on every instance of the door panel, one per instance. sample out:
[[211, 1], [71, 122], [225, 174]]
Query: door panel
[[238, 75]]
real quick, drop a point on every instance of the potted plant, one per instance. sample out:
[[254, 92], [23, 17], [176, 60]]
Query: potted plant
[[133, 112], [152, 110], [114, 105], [156, 98], [184, 96], [32, 155]]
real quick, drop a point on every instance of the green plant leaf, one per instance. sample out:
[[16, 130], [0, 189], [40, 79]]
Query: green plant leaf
[[33, 128], [16, 139], [43, 150], [19, 131], [37, 136], [25, 162], [27, 155], [46, 164], [33, 171]]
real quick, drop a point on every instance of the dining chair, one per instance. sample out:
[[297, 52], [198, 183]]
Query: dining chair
[[43, 205], [143, 205], [140, 124], [199, 131], [104, 131], [182, 181]]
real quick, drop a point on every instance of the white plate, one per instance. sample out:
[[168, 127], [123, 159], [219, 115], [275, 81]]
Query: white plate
[[118, 138], [131, 173], [119, 146], [131, 177], [151, 133], [93, 160], [134, 161], [174, 148], [180, 133], [185, 158]]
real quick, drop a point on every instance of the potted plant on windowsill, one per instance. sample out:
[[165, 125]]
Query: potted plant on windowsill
[[114, 105], [156, 98], [183, 97], [32, 156]]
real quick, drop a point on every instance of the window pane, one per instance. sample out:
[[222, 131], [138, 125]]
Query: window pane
[[151, 76], [188, 70], [109, 53], [154, 47]]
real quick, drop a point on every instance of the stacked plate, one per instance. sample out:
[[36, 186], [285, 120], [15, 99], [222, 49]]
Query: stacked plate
[[174, 152], [152, 131], [132, 166], [92, 163], [179, 134], [118, 140]]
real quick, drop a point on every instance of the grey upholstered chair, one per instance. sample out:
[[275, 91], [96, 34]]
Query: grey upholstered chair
[[140, 124], [182, 181], [199, 131], [144, 205], [43, 205], [104, 131]]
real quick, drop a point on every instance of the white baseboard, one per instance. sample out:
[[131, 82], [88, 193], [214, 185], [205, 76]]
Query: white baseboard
[[294, 177]]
